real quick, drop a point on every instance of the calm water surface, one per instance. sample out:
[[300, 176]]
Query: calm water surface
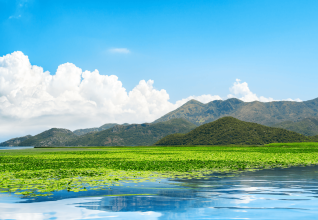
[[14, 148], [268, 194]]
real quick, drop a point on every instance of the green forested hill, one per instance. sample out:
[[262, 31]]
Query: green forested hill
[[265, 113], [52, 137], [229, 130], [15, 141], [101, 128], [307, 126], [135, 134]]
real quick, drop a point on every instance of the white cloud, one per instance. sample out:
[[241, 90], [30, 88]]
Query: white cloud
[[292, 100], [67, 209], [202, 98], [242, 91], [119, 50], [32, 100]]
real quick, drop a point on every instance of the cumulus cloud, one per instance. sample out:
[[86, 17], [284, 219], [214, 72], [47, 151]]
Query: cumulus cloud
[[32, 100], [292, 100], [241, 91], [119, 50]]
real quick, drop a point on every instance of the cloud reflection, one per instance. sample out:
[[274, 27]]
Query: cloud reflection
[[65, 210]]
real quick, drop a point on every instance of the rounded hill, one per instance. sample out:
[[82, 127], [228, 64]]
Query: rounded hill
[[229, 130]]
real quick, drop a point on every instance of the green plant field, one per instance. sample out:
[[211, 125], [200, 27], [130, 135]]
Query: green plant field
[[43, 170]]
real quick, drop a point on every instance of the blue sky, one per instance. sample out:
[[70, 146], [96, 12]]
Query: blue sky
[[185, 48]]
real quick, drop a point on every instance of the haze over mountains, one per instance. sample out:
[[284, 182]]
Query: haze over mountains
[[300, 117]]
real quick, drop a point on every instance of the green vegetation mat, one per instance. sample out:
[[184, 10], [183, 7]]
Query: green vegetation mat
[[39, 171]]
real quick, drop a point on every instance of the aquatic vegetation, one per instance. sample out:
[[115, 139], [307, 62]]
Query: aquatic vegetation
[[43, 170]]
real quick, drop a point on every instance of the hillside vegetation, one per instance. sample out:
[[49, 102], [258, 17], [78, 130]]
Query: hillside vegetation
[[52, 137], [101, 128], [307, 126], [229, 130], [132, 135], [15, 141], [265, 113], [117, 135]]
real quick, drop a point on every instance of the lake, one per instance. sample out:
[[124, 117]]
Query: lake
[[290, 193], [14, 148]]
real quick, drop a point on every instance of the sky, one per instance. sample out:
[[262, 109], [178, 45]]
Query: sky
[[79, 64]]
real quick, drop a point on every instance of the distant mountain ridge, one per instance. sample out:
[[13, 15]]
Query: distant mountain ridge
[[118, 135], [265, 113], [134, 134], [51, 137], [300, 117], [229, 130], [306, 126], [15, 141], [101, 128]]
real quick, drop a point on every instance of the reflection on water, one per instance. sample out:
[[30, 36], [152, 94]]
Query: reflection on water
[[268, 194]]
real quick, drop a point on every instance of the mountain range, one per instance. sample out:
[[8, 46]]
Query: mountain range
[[134, 135], [301, 117], [101, 128], [306, 126], [229, 130], [118, 135], [15, 141], [265, 113], [52, 137]]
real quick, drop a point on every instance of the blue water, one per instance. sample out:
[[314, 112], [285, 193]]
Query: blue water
[[14, 148], [268, 194]]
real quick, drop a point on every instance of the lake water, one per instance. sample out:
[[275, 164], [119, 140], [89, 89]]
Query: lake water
[[268, 194], [14, 148]]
